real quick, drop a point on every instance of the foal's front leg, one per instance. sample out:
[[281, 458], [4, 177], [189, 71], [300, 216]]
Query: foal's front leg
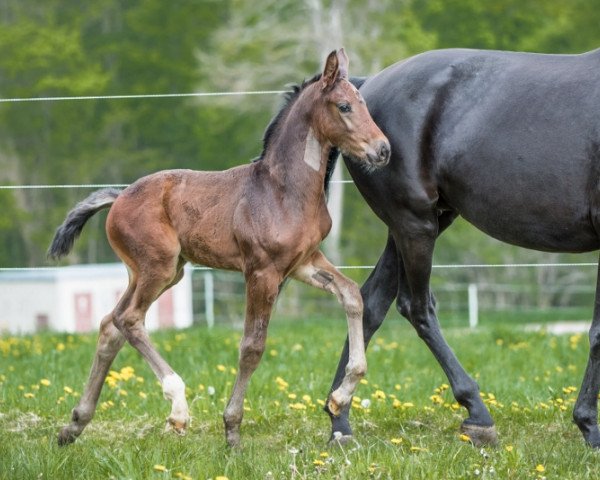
[[320, 273], [262, 288]]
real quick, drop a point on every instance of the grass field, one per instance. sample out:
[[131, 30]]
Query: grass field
[[409, 430]]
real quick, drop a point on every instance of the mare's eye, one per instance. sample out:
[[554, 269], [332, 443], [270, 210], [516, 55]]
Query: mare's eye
[[345, 108]]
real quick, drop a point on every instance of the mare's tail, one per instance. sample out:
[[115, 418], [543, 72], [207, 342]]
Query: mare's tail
[[71, 228]]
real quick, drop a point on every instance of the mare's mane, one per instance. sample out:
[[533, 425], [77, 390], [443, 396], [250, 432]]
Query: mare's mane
[[289, 99]]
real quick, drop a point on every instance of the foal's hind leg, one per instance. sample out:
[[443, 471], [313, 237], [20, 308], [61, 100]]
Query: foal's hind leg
[[262, 288], [151, 283], [585, 412], [110, 342], [319, 273]]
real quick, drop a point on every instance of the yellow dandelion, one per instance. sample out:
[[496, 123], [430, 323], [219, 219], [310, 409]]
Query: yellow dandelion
[[298, 406], [292, 396], [68, 390], [509, 448], [364, 381], [159, 468], [418, 449], [233, 371], [540, 468], [273, 353], [323, 455], [142, 394], [396, 441], [318, 463], [396, 403], [45, 382], [464, 437], [28, 395], [379, 395], [183, 476], [60, 347], [221, 477], [221, 368]]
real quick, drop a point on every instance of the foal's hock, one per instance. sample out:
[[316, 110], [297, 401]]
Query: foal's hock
[[265, 219]]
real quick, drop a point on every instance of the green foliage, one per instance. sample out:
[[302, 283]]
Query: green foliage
[[63, 48]]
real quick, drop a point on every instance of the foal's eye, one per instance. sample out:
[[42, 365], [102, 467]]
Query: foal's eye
[[344, 108]]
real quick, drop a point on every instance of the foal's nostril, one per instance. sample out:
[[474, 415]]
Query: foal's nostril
[[384, 152]]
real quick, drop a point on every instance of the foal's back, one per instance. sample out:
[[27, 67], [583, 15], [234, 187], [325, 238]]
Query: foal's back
[[188, 214]]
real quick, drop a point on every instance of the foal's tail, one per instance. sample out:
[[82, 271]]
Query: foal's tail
[[71, 228]]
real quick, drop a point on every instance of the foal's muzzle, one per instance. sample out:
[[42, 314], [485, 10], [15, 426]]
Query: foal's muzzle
[[378, 154]]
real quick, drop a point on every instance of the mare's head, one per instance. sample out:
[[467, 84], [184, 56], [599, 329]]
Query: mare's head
[[340, 116]]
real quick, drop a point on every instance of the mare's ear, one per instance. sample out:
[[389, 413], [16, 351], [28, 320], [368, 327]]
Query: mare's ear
[[331, 70], [342, 63]]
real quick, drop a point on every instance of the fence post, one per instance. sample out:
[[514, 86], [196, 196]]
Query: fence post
[[209, 298], [473, 306]]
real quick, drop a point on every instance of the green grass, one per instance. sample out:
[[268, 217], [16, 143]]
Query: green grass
[[522, 377]]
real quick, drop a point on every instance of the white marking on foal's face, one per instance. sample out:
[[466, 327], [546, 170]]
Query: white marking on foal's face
[[312, 151]]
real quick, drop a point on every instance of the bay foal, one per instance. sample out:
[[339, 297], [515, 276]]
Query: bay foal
[[265, 219]]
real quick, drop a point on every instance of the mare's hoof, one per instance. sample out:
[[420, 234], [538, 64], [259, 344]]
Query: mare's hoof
[[177, 426], [339, 440], [480, 436], [66, 437], [233, 439]]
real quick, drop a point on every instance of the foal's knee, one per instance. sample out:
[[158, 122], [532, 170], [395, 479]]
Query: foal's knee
[[251, 351]]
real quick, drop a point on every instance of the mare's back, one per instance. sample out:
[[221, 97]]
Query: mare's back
[[510, 140]]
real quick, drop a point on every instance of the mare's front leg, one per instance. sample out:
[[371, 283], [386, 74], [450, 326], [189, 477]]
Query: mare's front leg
[[416, 249], [262, 288], [585, 412], [320, 273]]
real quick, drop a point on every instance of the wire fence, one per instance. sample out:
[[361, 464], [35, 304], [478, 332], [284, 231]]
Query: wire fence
[[228, 288]]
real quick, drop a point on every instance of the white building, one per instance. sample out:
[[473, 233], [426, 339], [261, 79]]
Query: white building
[[76, 298]]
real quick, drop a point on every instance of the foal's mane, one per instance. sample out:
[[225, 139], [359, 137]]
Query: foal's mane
[[289, 99]]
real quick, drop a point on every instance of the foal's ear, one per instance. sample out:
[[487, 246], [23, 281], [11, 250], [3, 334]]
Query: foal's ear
[[331, 70], [343, 63]]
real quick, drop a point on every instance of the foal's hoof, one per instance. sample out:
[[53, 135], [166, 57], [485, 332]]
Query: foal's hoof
[[480, 436], [334, 407], [66, 437], [177, 426]]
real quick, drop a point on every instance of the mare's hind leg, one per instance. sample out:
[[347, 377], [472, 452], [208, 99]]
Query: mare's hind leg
[[110, 342], [262, 288], [416, 250], [148, 286], [585, 412], [320, 273]]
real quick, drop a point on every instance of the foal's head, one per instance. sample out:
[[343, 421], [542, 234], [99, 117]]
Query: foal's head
[[340, 115]]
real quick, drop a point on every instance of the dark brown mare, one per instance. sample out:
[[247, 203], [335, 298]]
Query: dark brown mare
[[265, 219], [511, 142]]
